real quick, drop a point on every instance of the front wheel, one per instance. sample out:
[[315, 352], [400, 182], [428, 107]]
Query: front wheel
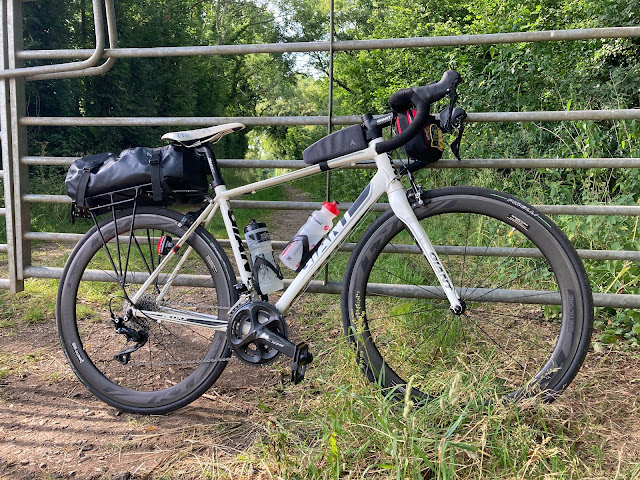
[[527, 317], [171, 363]]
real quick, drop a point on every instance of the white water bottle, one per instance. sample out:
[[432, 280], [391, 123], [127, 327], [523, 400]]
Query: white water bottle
[[266, 272], [297, 252]]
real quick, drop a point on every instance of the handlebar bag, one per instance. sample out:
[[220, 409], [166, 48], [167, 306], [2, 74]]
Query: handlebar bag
[[172, 172], [427, 146], [345, 141]]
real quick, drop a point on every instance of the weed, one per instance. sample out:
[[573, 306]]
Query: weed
[[19, 364], [36, 304]]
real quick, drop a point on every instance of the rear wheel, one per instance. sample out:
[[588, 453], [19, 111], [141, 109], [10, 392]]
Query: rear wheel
[[528, 312], [175, 362]]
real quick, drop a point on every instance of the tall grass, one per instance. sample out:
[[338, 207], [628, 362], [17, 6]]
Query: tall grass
[[336, 425]]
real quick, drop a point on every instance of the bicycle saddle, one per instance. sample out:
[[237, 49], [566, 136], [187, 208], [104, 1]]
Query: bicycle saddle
[[201, 136]]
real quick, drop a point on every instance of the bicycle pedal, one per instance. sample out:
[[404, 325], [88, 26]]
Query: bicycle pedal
[[301, 358]]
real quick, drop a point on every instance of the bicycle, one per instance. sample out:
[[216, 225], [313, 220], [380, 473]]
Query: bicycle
[[501, 301]]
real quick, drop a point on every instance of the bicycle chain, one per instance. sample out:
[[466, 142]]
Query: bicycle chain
[[199, 305], [185, 362]]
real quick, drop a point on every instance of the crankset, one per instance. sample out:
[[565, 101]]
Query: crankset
[[257, 334]]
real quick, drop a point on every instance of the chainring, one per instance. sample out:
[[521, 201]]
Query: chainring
[[244, 326]]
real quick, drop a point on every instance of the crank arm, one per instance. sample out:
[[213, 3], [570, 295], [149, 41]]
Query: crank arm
[[300, 354]]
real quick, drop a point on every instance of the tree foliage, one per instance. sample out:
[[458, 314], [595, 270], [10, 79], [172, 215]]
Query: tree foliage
[[171, 86]]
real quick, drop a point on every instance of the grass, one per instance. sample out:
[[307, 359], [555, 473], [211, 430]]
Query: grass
[[338, 425], [34, 305]]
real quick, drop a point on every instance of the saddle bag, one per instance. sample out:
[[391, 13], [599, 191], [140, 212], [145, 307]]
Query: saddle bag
[[427, 146], [170, 173]]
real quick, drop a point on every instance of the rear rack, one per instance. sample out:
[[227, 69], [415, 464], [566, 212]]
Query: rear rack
[[129, 197]]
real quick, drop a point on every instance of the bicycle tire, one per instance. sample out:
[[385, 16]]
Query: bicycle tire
[[178, 363], [509, 342]]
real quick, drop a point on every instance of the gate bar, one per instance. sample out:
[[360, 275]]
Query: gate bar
[[375, 44]]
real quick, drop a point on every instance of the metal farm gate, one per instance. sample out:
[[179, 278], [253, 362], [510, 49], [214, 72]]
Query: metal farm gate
[[14, 122]]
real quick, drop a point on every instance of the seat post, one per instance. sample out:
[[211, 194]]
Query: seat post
[[213, 165]]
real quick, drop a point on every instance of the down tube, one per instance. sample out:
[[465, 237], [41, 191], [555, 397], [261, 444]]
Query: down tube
[[369, 195]]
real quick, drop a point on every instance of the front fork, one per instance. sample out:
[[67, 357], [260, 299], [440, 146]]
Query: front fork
[[403, 210]]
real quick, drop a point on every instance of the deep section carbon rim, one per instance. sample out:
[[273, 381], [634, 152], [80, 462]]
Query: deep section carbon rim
[[527, 305], [174, 362]]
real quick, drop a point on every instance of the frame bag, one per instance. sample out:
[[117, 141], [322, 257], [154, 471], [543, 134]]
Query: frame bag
[[345, 141], [159, 175]]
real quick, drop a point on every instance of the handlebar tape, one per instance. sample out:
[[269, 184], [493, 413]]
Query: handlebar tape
[[422, 113], [421, 98]]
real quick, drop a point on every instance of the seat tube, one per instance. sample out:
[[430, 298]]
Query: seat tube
[[235, 239], [205, 150]]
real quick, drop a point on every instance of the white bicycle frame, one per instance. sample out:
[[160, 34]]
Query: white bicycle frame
[[384, 181]]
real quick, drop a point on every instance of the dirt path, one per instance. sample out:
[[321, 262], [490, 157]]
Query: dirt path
[[51, 425], [284, 224]]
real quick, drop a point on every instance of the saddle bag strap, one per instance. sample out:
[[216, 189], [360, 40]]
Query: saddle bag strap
[[82, 185], [158, 184], [85, 177]]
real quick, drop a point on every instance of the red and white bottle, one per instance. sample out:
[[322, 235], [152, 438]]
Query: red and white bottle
[[297, 252]]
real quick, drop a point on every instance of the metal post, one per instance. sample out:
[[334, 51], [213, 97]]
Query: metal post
[[5, 136], [330, 123], [20, 173]]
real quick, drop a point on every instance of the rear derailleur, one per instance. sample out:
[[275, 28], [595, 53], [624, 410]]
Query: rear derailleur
[[257, 334], [139, 337]]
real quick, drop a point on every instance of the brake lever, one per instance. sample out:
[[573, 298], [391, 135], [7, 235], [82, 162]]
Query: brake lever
[[457, 116], [446, 113]]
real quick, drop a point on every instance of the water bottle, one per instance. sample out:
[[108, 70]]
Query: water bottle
[[298, 251], [266, 272]]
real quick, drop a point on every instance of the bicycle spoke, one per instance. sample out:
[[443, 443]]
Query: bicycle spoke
[[490, 275], [511, 282], [421, 287], [401, 314], [497, 344], [520, 337], [405, 359], [153, 355], [482, 258], [503, 338], [464, 256], [407, 259]]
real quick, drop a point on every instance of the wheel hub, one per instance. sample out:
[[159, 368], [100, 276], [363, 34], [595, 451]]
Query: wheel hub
[[459, 310]]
